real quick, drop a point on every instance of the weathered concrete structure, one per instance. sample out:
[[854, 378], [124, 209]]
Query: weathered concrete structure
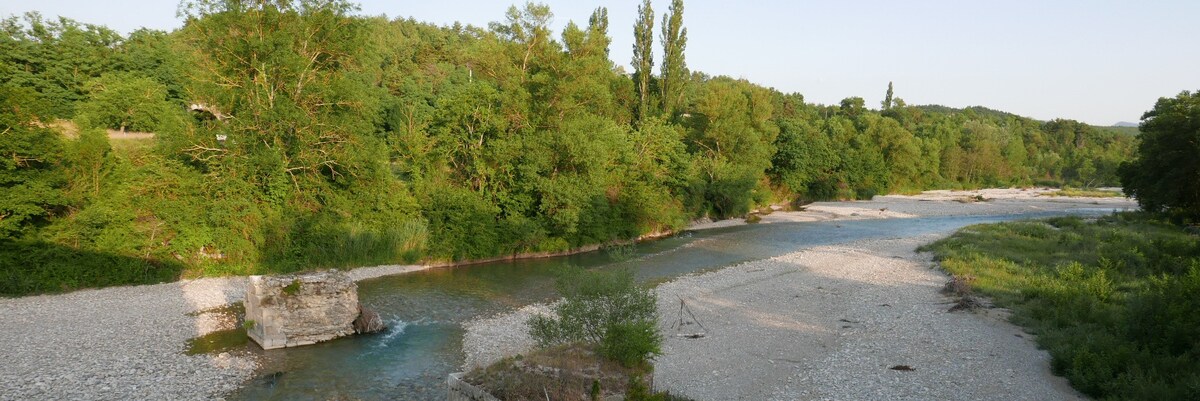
[[460, 390], [300, 309]]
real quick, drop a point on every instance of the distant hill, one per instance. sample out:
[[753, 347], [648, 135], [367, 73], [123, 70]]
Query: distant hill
[[1121, 129], [979, 110]]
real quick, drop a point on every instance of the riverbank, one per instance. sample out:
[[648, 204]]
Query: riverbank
[[846, 321], [129, 342], [1113, 298]]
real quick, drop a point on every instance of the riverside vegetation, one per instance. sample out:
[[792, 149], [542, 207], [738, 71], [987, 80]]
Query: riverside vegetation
[[598, 342], [323, 138], [1113, 300]]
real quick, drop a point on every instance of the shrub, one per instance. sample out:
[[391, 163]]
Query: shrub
[[606, 308], [631, 344]]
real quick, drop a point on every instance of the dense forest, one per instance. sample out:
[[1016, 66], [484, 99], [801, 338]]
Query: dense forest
[[297, 135]]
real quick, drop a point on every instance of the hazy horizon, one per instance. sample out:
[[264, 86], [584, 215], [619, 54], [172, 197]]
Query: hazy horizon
[[1101, 63]]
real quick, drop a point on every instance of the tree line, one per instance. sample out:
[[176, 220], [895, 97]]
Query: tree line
[[296, 135]]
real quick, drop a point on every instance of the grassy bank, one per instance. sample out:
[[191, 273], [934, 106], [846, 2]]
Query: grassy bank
[[1116, 300], [1085, 193]]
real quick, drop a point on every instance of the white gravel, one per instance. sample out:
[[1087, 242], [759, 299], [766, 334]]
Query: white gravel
[[117, 344], [828, 323], [489, 339]]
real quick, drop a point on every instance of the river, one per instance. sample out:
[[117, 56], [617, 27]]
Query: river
[[426, 309]]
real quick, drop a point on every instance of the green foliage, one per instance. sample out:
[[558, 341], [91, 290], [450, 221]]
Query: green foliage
[[54, 58], [335, 140], [643, 58], [674, 67], [292, 289], [607, 308], [128, 102], [1113, 300], [31, 174], [1087, 193], [158, 56], [630, 344], [465, 225], [34, 267], [1163, 175]]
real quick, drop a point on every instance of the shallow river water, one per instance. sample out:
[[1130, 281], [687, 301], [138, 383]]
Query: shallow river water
[[426, 309]]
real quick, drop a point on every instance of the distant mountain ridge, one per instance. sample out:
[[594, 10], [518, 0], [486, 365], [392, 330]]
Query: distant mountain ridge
[[1125, 124]]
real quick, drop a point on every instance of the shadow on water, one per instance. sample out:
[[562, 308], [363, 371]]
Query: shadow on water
[[426, 310]]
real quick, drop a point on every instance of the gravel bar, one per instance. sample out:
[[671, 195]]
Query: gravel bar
[[862, 320]]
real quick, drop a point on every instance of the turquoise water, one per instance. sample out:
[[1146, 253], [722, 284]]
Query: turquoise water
[[426, 309]]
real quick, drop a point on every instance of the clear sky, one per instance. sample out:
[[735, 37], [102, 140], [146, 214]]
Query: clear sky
[[1096, 61]]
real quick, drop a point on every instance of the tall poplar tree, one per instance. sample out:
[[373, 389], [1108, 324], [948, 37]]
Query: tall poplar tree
[[887, 100], [674, 68], [643, 57], [598, 28]]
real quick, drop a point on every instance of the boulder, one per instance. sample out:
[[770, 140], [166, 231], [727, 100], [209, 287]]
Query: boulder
[[300, 309], [368, 322]]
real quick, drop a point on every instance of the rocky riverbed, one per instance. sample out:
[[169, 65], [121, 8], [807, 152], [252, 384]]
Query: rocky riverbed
[[130, 342], [852, 321]]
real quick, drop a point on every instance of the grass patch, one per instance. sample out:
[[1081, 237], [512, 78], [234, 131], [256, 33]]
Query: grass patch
[[222, 340], [1114, 300], [1084, 193], [218, 341]]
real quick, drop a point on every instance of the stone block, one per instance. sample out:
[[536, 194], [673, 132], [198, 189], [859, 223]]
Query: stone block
[[300, 309]]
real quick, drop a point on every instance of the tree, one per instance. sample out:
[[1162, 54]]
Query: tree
[[643, 57], [289, 76], [1165, 175], [127, 102], [887, 100], [55, 58], [853, 106], [31, 178], [529, 27], [674, 68], [297, 167], [598, 30], [154, 54]]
